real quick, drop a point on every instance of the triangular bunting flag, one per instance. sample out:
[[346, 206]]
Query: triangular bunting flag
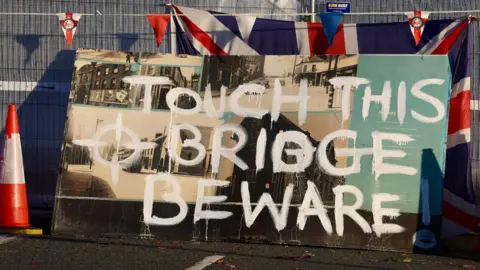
[[417, 20], [330, 22], [245, 26], [69, 22], [159, 23]]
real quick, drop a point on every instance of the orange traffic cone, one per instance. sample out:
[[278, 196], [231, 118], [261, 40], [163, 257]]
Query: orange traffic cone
[[13, 192]]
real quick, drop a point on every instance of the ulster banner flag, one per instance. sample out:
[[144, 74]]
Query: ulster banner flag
[[69, 22], [417, 20]]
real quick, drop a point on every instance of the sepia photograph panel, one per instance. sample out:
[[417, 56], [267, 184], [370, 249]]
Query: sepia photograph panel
[[141, 150], [102, 84], [97, 163], [97, 55], [96, 82], [170, 59], [316, 127], [234, 71]]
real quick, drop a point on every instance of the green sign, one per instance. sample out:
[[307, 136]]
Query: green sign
[[420, 88]]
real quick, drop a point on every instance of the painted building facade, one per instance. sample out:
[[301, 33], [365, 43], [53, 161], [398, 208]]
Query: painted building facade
[[319, 69]]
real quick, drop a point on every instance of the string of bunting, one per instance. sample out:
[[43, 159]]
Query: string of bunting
[[330, 21]]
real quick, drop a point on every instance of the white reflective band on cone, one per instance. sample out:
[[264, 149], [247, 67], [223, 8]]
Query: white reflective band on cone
[[12, 162]]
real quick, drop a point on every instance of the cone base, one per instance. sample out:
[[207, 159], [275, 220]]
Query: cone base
[[21, 231], [13, 206]]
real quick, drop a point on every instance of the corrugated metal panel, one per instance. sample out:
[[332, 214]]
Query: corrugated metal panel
[[33, 50]]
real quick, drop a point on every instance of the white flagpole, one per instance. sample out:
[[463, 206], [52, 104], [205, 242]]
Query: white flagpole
[[313, 10]]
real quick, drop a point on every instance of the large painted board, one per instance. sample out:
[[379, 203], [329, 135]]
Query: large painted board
[[252, 148]]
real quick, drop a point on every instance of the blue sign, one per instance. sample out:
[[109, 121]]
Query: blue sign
[[342, 7]]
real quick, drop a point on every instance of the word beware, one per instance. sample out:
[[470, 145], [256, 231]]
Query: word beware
[[311, 206]]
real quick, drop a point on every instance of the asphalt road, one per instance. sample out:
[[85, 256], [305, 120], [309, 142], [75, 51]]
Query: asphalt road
[[48, 252], [51, 252]]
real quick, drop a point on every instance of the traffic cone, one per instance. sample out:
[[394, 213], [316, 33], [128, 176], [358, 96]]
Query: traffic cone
[[13, 192]]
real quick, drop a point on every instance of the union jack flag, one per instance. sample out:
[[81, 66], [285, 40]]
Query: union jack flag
[[201, 32]]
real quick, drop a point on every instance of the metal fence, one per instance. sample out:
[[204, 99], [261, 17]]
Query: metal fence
[[33, 50]]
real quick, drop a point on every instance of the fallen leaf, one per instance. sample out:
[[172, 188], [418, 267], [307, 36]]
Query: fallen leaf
[[407, 260], [312, 255], [404, 254], [220, 261], [306, 256]]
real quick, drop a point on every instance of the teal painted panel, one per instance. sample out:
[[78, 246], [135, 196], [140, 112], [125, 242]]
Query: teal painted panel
[[426, 153]]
